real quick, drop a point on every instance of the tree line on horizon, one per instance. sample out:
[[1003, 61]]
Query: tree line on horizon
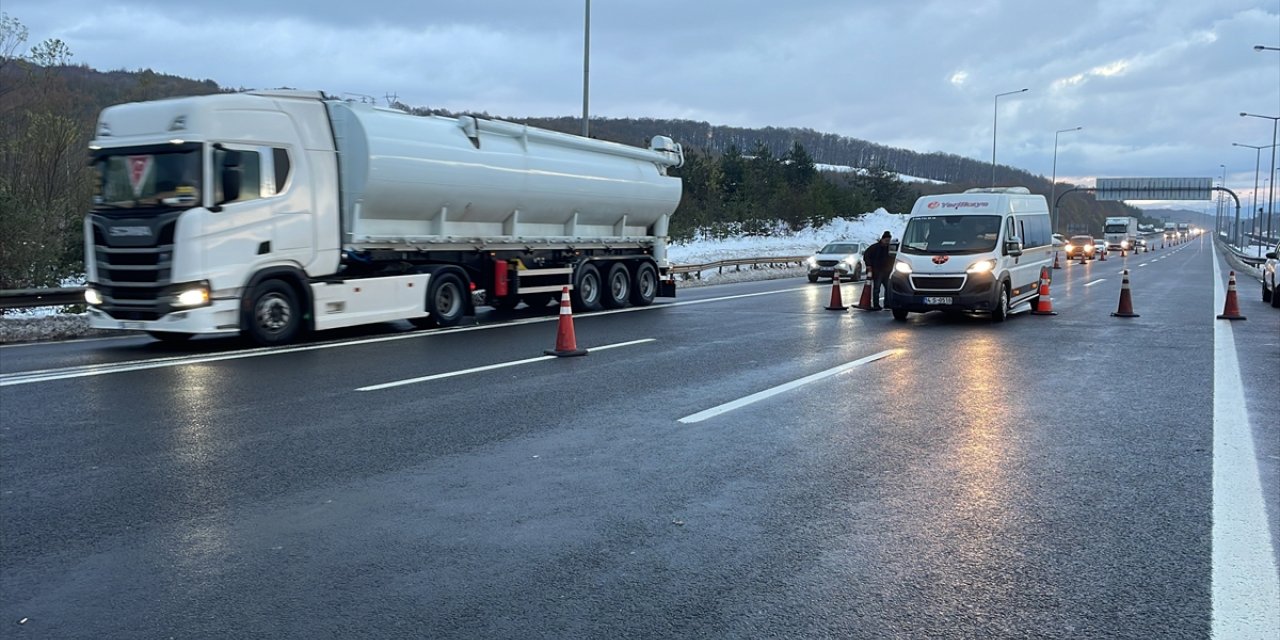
[[736, 180]]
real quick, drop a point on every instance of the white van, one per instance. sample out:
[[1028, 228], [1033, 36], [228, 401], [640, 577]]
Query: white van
[[981, 250]]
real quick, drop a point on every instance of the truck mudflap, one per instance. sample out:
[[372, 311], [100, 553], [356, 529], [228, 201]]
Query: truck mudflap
[[666, 288]]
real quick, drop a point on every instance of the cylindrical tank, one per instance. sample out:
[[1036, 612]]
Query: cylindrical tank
[[408, 178]]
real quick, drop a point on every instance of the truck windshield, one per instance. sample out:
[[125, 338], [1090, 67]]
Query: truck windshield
[[1117, 228], [951, 234], [159, 176]]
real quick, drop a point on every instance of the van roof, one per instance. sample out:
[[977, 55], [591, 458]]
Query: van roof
[[980, 201]]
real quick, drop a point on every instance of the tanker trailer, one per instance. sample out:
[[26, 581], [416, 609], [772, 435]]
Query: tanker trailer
[[275, 213]]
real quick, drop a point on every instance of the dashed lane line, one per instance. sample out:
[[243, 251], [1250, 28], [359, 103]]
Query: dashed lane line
[[773, 391], [490, 367]]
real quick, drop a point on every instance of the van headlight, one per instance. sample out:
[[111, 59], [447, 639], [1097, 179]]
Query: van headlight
[[902, 267], [981, 266], [92, 296]]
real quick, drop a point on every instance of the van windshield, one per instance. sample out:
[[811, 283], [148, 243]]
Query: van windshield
[[951, 234]]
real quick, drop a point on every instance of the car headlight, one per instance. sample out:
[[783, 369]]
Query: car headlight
[[194, 296], [981, 266], [902, 267], [811, 262], [92, 296], [851, 260], [1067, 246]]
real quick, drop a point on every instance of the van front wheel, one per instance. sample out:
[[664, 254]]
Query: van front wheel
[[1001, 310]]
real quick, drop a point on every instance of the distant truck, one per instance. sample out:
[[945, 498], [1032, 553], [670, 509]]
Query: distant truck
[[1121, 233], [272, 213], [1184, 230]]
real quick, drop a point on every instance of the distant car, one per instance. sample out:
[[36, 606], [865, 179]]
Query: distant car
[[1269, 277], [1078, 245], [1099, 248], [1140, 244], [843, 258]]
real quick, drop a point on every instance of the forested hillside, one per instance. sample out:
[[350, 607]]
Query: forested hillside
[[736, 180]]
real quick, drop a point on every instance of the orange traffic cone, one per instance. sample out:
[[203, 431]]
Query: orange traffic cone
[[837, 304], [1044, 304], [864, 302], [1104, 254], [1231, 311], [1055, 261], [1125, 309], [566, 342], [1081, 256], [1122, 252]]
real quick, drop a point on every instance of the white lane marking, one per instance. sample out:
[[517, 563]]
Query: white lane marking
[[490, 367], [768, 393], [15, 345], [48, 375], [1246, 586], [1144, 264], [1090, 284]]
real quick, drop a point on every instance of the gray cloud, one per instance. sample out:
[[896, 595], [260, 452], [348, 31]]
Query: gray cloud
[[1157, 84]]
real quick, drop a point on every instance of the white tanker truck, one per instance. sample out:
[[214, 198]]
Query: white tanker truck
[[274, 213]]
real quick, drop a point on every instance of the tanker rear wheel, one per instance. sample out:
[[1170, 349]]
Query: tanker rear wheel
[[586, 292], [645, 288], [617, 286]]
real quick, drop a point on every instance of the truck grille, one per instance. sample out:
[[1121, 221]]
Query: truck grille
[[937, 283], [133, 271]]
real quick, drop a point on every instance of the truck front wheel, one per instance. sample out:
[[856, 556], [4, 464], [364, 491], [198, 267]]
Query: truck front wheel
[[445, 301], [273, 316]]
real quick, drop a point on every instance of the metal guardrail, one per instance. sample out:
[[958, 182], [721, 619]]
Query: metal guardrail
[[49, 297], [52, 297], [692, 271]]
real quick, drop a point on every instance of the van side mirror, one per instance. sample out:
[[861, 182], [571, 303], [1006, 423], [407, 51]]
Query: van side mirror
[[1013, 246]]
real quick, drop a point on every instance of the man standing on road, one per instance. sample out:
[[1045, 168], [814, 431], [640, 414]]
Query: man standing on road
[[879, 265]]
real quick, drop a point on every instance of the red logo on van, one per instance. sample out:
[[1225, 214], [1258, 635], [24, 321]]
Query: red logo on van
[[941, 259], [934, 204]]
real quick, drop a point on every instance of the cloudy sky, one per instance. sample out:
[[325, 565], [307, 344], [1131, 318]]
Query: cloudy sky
[[1157, 85]]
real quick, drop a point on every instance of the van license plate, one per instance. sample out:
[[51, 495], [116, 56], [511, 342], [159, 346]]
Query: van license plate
[[929, 300]]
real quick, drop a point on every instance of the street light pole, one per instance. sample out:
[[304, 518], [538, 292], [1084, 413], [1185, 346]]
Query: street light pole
[[1271, 199], [995, 111], [1220, 225], [1053, 186], [1257, 168], [586, 68]]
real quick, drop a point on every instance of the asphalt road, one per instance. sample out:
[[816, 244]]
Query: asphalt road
[[1051, 477]]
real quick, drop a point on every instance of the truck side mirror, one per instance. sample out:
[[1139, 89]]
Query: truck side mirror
[[228, 176]]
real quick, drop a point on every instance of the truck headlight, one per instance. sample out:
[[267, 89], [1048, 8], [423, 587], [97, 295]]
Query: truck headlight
[[196, 295], [92, 296], [981, 266], [902, 267], [1124, 244]]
